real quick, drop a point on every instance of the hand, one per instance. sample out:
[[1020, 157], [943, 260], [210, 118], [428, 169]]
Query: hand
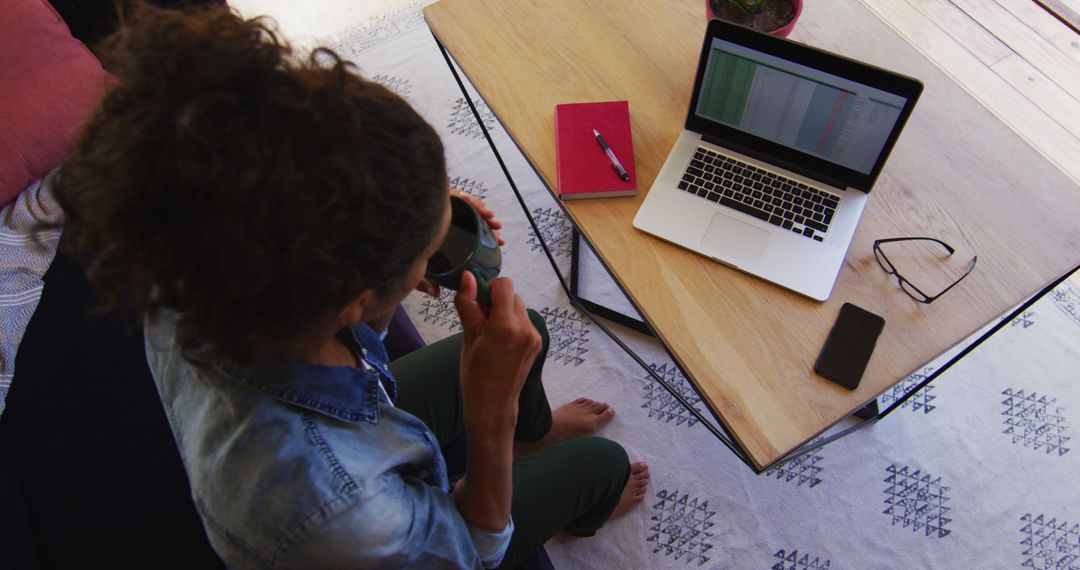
[[432, 289], [485, 212], [496, 354], [429, 288]]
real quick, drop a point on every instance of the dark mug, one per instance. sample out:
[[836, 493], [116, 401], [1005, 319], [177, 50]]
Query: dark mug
[[470, 245]]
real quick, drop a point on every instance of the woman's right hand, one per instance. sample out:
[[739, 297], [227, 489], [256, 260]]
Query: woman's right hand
[[497, 352]]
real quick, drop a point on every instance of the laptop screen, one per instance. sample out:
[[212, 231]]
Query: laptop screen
[[821, 114], [817, 113]]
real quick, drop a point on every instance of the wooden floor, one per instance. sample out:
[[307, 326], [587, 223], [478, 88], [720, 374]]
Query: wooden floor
[[1068, 11], [1020, 61]]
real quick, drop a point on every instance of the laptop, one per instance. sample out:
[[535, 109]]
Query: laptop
[[782, 144]]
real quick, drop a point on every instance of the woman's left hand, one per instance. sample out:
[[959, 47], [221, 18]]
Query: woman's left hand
[[485, 212]]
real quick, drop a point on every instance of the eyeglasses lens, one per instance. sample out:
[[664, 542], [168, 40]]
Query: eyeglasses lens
[[884, 263], [910, 290]]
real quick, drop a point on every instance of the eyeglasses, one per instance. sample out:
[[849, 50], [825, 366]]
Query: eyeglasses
[[908, 287]]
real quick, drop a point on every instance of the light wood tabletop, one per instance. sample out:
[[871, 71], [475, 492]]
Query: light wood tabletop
[[957, 174]]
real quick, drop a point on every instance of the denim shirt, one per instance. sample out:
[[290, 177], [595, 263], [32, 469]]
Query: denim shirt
[[305, 466]]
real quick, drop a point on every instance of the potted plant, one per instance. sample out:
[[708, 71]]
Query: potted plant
[[776, 17]]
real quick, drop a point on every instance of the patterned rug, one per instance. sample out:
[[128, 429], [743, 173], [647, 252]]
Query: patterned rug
[[977, 470]]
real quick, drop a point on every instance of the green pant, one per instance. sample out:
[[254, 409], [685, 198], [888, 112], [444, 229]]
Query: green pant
[[573, 485]]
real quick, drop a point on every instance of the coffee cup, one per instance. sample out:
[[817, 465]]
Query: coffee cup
[[471, 246]]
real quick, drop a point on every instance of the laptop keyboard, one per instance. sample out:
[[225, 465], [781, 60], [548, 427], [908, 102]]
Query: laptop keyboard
[[755, 191]]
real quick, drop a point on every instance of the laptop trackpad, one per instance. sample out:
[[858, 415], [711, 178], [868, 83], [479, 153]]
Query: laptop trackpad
[[741, 241]]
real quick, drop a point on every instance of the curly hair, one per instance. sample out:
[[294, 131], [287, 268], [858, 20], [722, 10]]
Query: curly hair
[[251, 192]]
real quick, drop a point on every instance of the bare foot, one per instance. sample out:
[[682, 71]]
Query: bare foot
[[572, 419], [580, 417], [632, 496], [634, 492]]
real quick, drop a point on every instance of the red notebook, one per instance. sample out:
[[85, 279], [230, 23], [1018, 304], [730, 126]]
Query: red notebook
[[584, 169]]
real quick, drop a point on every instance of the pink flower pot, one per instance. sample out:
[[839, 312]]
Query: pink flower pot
[[782, 31]]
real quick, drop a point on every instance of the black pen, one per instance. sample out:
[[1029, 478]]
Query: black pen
[[615, 164]]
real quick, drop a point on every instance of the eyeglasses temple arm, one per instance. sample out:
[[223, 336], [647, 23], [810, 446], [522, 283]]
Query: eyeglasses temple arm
[[966, 273], [890, 240]]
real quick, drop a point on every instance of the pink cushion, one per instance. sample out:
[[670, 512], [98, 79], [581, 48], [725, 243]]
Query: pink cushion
[[49, 84]]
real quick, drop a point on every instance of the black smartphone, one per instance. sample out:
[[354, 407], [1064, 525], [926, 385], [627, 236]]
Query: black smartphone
[[847, 350]]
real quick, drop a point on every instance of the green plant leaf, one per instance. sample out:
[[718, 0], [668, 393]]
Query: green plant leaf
[[748, 6]]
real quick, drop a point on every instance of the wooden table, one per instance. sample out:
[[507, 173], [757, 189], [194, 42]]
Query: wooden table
[[957, 174]]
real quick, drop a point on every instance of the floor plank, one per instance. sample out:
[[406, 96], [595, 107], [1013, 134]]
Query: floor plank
[[1055, 142], [1020, 38], [981, 43], [1073, 5], [1045, 25], [1041, 91], [1068, 11]]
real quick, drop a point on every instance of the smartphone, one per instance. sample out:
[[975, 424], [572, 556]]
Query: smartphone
[[847, 350]]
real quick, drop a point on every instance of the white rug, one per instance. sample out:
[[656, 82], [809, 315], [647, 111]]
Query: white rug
[[976, 471]]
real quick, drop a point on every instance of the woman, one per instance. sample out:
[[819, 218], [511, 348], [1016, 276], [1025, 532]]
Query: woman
[[265, 217]]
